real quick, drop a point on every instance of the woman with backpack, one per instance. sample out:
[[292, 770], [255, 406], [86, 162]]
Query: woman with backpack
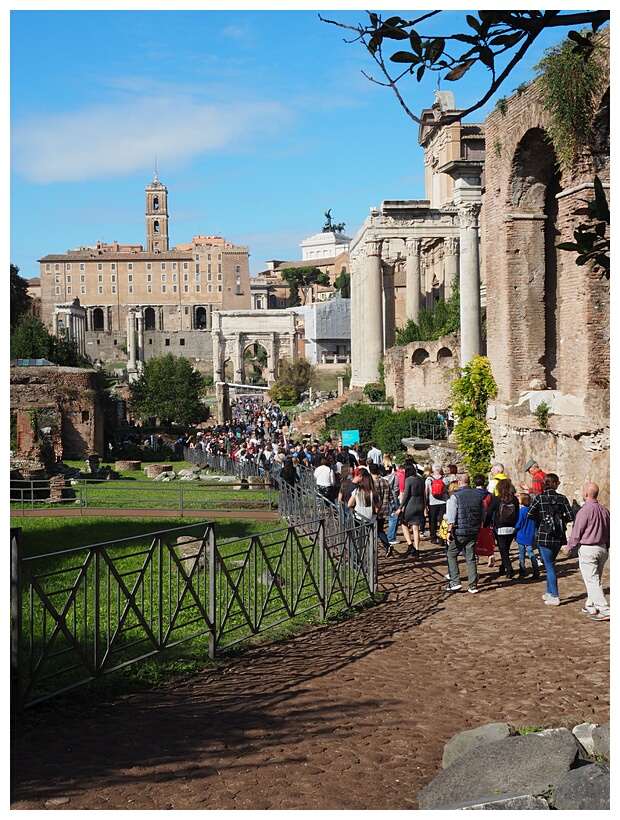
[[503, 513]]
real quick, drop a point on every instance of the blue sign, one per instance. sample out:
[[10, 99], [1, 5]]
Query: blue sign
[[350, 437]]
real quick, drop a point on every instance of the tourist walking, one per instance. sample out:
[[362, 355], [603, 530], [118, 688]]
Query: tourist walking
[[538, 479], [590, 535], [551, 512], [412, 509], [465, 514], [503, 514], [525, 530], [436, 498]]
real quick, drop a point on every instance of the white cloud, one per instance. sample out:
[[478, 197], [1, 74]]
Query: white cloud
[[117, 139]]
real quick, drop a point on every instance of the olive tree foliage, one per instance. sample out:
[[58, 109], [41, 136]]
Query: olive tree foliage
[[170, 390], [403, 50], [300, 277], [294, 379]]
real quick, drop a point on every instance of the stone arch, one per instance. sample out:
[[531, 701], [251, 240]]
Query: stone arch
[[200, 318], [445, 356], [420, 356], [533, 234], [255, 364], [149, 319]]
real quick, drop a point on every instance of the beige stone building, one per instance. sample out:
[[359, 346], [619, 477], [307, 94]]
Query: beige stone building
[[167, 293]]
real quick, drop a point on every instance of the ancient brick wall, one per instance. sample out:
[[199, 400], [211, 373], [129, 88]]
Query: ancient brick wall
[[72, 393], [547, 317], [419, 374]]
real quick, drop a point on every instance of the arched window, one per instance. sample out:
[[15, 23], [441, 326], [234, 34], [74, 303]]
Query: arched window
[[201, 318], [420, 356], [444, 356], [149, 319], [156, 203], [156, 226]]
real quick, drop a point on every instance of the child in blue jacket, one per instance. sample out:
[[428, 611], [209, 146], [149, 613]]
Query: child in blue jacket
[[524, 536]]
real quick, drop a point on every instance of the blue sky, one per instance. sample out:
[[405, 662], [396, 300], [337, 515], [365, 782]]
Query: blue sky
[[259, 121]]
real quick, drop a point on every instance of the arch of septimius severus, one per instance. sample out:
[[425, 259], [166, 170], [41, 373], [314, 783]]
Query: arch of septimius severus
[[407, 253]]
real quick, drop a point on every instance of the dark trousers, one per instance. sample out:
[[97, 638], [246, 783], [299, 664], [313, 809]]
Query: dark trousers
[[435, 514], [503, 544]]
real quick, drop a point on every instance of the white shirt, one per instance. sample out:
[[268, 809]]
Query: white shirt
[[375, 455], [324, 476]]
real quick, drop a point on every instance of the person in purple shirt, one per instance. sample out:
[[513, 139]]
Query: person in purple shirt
[[590, 535]]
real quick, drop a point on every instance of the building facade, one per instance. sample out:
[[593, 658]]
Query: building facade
[[164, 291]]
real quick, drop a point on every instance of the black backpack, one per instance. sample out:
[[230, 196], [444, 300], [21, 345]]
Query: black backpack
[[552, 523], [507, 513]]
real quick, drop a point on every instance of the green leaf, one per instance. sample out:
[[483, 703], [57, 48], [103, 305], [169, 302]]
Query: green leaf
[[404, 57], [486, 57], [420, 72], [466, 38], [435, 49], [472, 22], [416, 43], [508, 40]]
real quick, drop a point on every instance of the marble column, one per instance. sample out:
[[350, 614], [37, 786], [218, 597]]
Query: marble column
[[412, 297], [131, 342], [470, 281], [218, 368], [451, 260], [140, 355], [372, 320]]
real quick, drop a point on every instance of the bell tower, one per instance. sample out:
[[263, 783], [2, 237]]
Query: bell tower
[[156, 216]]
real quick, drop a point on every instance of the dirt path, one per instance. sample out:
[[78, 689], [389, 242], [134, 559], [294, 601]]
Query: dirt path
[[350, 716]]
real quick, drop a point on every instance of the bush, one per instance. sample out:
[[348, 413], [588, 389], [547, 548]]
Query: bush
[[375, 392]]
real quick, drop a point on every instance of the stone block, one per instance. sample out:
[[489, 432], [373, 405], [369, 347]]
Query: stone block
[[505, 801], [584, 788], [583, 733], [600, 739], [474, 737], [153, 470], [526, 764], [128, 466]]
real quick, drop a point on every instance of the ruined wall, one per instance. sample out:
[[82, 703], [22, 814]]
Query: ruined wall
[[547, 318], [70, 394], [419, 374]]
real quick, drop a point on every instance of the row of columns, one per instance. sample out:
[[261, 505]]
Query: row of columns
[[461, 256]]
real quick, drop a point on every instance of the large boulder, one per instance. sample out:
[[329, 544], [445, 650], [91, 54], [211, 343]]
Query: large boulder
[[475, 737], [526, 764], [586, 787]]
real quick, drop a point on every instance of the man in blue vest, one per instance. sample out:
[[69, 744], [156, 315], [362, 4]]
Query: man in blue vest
[[465, 513]]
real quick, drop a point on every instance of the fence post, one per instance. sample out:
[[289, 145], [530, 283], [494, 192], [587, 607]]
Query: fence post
[[16, 618], [181, 500], [212, 594], [322, 585]]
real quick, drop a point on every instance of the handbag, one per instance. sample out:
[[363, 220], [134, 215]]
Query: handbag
[[485, 545]]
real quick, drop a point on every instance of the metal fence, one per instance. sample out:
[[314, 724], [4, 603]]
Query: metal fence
[[83, 613], [177, 496], [426, 430]]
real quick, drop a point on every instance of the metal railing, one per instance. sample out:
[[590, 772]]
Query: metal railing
[[426, 430], [82, 613], [178, 496]]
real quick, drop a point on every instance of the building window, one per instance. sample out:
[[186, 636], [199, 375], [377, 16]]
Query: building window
[[219, 256], [69, 289], [198, 277], [219, 268], [48, 266], [219, 277], [130, 288], [163, 277], [163, 288], [149, 277], [174, 266], [185, 288], [182, 342], [185, 265], [100, 289], [57, 279], [56, 266], [57, 291], [174, 277], [82, 289], [197, 268], [208, 268], [113, 288], [149, 266], [209, 277], [185, 277], [174, 288], [219, 287], [167, 342], [197, 288], [163, 266], [68, 265], [82, 266], [100, 278], [130, 266], [237, 268], [113, 278], [99, 266], [149, 288], [209, 288], [130, 277], [186, 310], [150, 341], [208, 257], [113, 266], [82, 278]]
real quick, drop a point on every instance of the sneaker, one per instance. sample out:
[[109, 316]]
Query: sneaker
[[393, 543], [447, 577], [587, 611], [546, 595], [552, 601], [473, 590], [453, 587], [599, 617]]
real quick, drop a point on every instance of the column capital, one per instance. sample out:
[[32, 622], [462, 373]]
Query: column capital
[[373, 246], [414, 245], [468, 214]]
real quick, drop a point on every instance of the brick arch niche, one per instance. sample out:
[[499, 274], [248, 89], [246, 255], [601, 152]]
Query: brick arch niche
[[532, 236], [445, 356], [420, 356]]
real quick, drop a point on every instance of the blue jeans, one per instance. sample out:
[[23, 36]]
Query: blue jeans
[[392, 527], [548, 555], [523, 548]]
